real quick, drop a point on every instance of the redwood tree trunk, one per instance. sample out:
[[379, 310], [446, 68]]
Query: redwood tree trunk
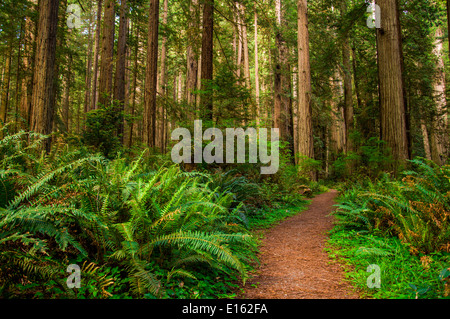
[[192, 56], [96, 55], [391, 85], [105, 85], [151, 76], [44, 82], [207, 59], [119, 84], [304, 116]]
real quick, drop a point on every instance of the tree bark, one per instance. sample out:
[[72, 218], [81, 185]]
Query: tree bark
[[66, 103], [4, 101], [206, 103], [151, 76], [439, 132], [162, 83], [96, 55], [282, 82], [105, 86], [257, 93], [192, 56], [305, 128], [120, 78], [88, 81], [391, 85], [44, 81]]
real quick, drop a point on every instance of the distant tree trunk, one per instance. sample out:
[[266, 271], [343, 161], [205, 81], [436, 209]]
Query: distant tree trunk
[[120, 82], [162, 83], [439, 132], [96, 54], [257, 93], [151, 76], [282, 85], [66, 103], [135, 76], [348, 88], [207, 59], [305, 128], [105, 85], [392, 95], [44, 81], [4, 101], [88, 81], [245, 46], [27, 79], [426, 140], [192, 56]]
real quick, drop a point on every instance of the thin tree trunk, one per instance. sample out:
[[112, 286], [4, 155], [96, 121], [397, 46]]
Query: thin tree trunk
[[88, 82], [162, 83], [426, 140], [207, 59], [120, 82], [135, 75], [4, 101], [96, 55], [245, 47], [257, 93], [192, 56], [66, 103]]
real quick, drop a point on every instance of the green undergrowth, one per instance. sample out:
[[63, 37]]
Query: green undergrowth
[[401, 224], [402, 275]]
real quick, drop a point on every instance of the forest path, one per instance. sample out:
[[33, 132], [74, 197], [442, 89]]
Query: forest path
[[294, 264]]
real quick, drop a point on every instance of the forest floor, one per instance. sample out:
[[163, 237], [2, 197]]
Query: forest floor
[[294, 264]]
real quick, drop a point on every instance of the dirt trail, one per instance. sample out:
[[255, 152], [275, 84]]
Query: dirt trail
[[293, 262]]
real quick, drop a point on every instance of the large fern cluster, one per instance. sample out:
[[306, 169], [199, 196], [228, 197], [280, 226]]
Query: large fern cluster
[[416, 208], [154, 225]]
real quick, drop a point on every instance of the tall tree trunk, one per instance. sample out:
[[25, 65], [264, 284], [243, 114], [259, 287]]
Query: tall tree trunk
[[27, 79], [426, 140], [120, 82], [245, 54], [88, 81], [151, 76], [348, 88], [105, 86], [4, 100], [305, 128], [66, 103], [257, 93], [391, 83], [162, 83], [96, 55], [282, 85], [337, 136], [44, 81], [206, 104], [192, 56], [135, 76], [439, 132]]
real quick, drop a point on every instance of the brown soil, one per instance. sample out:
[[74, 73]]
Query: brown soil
[[294, 264]]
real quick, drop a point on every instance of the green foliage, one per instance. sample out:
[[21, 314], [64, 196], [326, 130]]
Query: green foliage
[[403, 275], [152, 225], [101, 128], [415, 208]]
